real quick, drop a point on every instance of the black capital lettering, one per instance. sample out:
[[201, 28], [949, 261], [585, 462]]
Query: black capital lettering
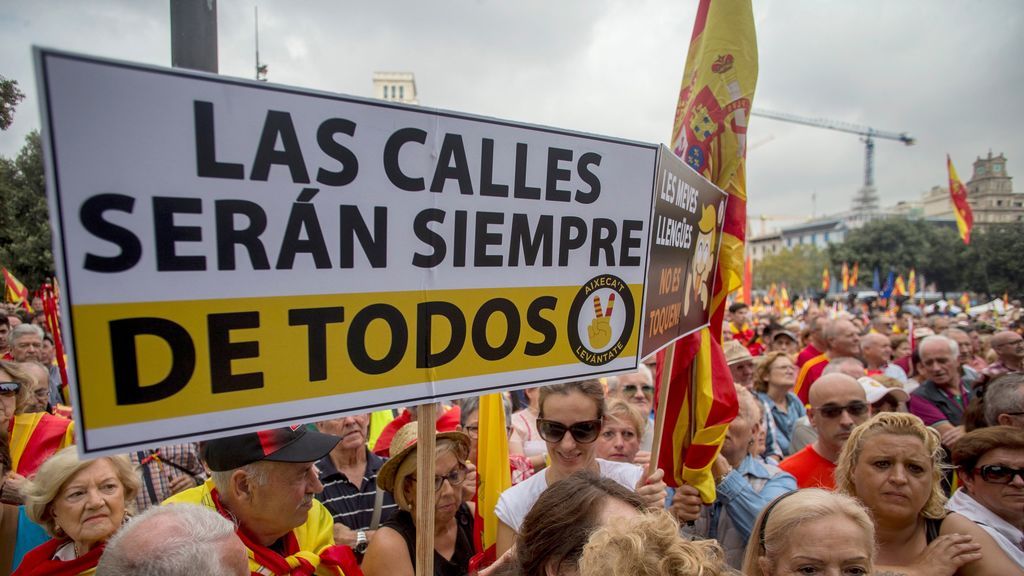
[[91, 216], [541, 325], [357, 338], [168, 235], [556, 175], [481, 344], [391, 152], [223, 351], [127, 388], [279, 125], [207, 165], [316, 321], [249, 237], [425, 312], [331, 147]]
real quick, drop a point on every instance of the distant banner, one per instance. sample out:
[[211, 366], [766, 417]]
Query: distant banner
[[236, 255], [686, 233]]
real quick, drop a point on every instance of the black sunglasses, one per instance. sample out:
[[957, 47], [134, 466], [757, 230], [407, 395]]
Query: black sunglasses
[[583, 432], [455, 477], [630, 389], [997, 474], [830, 411]]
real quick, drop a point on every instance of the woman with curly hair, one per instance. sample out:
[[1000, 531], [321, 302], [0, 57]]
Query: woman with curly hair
[[893, 464]]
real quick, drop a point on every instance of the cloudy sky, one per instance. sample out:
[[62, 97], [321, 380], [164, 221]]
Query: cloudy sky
[[947, 72]]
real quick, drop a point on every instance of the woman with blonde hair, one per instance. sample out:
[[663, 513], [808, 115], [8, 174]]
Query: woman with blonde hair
[[774, 379], [621, 433], [811, 531], [81, 504], [649, 545], [893, 464]]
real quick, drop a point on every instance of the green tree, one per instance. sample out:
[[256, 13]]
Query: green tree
[[995, 260], [10, 96], [898, 245], [25, 240], [798, 267]]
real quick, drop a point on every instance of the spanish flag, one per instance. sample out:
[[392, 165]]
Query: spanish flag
[[846, 277], [826, 280], [709, 134], [958, 194], [854, 276], [15, 292], [494, 476], [912, 283]]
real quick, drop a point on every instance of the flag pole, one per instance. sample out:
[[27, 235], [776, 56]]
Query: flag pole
[[659, 414], [425, 442]]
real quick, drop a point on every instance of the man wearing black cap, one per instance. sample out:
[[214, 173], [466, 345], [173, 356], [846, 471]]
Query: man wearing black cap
[[264, 482]]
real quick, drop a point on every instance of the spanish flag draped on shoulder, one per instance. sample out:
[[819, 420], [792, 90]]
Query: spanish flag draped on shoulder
[[958, 194], [709, 134]]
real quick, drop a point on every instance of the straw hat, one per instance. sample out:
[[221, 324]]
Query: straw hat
[[405, 439], [736, 353]]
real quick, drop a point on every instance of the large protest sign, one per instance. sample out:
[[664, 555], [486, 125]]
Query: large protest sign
[[686, 231], [236, 255]]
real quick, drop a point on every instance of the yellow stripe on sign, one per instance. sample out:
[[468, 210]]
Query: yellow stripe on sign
[[145, 361]]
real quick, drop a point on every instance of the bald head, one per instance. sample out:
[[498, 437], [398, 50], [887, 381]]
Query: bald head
[[831, 386], [1009, 346]]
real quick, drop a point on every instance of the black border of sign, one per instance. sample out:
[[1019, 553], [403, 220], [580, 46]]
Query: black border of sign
[[41, 57]]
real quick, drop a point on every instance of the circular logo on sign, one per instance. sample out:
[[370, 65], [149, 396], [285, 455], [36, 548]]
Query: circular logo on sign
[[601, 320]]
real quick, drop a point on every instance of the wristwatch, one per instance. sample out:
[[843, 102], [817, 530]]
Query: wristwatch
[[361, 542]]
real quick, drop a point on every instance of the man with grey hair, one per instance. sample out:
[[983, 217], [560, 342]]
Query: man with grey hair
[[266, 481], [26, 341], [637, 388], [1004, 400], [941, 400], [175, 540]]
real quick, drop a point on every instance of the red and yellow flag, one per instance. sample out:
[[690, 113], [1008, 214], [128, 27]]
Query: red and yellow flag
[[15, 292], [900, 288], [494, 475], [912, 283], [854, 276], [709, 134], [958, 194], [748, 280], [826, 280], [846, 277]]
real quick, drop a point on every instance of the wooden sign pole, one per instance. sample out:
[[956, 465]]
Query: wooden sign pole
[[425, 422], [659, 414]]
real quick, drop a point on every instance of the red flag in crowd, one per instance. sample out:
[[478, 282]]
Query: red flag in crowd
[[958, 194]]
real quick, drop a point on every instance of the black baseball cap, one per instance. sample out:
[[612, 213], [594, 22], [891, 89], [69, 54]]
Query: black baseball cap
[[294, 444]]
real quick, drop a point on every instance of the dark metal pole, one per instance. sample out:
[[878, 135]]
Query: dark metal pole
[[194, 34]]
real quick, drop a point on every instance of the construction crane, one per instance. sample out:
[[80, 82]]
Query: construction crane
[[866, 133]]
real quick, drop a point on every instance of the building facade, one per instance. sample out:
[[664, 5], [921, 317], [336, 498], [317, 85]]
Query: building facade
[[395, 87], [990, 192]]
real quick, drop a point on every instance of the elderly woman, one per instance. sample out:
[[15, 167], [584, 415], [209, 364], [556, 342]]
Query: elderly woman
[[621, 433], [990, 505], [81, 504], [392, 552], [892, 463], [774, 379], [811, 531], [569, 420]]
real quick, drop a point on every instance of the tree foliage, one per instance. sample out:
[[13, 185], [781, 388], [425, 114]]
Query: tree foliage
[[991, 264], [10, 96], [25, 239], [798, 267]]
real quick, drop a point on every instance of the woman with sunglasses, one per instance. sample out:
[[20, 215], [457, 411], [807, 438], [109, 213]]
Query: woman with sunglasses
[[569, 420], [990, 504], [893, 464], [392, 552]]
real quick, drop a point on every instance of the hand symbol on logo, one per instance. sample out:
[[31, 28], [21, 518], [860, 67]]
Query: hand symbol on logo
[[600, 329]]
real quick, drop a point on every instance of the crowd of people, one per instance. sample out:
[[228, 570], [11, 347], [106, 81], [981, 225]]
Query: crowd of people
[[866, 442]]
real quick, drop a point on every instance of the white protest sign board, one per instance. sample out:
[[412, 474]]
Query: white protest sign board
[[237, 255]]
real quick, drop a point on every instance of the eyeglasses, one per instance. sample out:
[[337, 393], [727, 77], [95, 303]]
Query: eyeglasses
[[630, 389], [997, 474], [455, 478], [9, 388], [473, 431], [583, 432], [830, 411]]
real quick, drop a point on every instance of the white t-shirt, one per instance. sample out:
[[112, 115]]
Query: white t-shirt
[[516, 502]]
